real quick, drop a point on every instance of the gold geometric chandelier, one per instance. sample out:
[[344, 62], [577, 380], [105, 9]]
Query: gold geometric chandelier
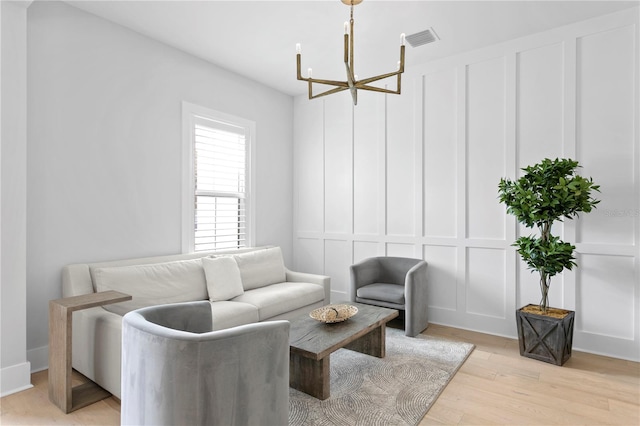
[[352, 83]]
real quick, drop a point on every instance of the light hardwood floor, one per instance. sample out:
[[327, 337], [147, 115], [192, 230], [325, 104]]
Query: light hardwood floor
[[498, 386], [494, 386]]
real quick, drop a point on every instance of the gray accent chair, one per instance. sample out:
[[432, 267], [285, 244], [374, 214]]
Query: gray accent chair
[[393, 282], [176, 371]]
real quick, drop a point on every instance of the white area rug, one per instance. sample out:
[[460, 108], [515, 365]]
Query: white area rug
[[396, 390]]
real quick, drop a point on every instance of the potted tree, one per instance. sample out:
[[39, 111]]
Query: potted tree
[[549, 191]]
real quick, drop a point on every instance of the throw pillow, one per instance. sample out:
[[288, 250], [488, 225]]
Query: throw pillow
[[261, 267], [223, 278]]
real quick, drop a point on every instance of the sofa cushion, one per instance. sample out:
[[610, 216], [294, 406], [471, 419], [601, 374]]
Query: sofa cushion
[[392, 293], [279, 298], [226, 314], [223, 278], [261, 267], [153, 284]]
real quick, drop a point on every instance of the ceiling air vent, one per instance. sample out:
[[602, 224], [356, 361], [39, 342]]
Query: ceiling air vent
[[423, 37]]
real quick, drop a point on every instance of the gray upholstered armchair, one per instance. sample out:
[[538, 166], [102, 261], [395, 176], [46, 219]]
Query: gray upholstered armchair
[[393, 282], [175, 370]]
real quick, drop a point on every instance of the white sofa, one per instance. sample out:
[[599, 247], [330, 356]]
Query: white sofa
[[243, 286]]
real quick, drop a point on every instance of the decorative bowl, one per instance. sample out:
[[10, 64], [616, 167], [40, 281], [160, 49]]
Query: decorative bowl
[[333, 313]]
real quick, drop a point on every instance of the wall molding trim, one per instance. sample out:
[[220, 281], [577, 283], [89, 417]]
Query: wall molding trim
[[15, 378], [422, 169], [14, 370], [38, 358]]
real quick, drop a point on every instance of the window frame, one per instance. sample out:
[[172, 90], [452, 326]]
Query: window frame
[[191, 113]]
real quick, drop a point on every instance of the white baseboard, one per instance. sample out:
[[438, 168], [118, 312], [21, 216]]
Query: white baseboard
[[15, 378], [39, 358]]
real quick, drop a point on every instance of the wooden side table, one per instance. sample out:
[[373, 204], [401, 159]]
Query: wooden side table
[[61, 393]]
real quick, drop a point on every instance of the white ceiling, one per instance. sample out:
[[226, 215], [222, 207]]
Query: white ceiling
[[257, 38]]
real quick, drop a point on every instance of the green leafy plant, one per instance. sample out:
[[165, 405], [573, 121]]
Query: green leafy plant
[[548, 191]]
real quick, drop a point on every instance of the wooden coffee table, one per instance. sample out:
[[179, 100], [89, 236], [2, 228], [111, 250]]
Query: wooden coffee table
[[311, 342]]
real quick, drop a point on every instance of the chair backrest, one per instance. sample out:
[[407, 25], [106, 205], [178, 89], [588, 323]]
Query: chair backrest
[[393, 270], [77, 279], [174, 371], [192, 317]]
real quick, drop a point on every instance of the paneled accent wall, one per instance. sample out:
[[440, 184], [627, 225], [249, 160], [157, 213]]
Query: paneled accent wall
[[416, 175]]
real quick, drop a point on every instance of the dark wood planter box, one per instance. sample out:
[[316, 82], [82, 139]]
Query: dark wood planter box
[[545, 338]]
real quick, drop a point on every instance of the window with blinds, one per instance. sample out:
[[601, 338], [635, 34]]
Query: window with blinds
[[216, 213], [220, 171]]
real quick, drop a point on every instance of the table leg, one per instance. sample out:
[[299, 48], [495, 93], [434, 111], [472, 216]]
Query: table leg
[[60, 356], [310, 376], [372, 343]]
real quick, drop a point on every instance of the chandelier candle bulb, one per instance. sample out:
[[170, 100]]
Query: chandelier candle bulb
[[309, 72], [402, 39], [346, 27], [298, 48]]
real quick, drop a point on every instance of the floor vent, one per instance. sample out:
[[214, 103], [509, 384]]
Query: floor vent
[[423, 37]]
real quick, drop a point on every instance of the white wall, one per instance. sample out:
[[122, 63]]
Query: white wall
[[417, 175], [14, 367], [104, 152]]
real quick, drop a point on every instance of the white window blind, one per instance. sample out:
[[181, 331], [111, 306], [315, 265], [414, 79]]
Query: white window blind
[[220, 168]]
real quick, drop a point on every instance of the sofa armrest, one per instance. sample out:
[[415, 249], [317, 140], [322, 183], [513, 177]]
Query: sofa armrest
[[76, 280], [303, 277]]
